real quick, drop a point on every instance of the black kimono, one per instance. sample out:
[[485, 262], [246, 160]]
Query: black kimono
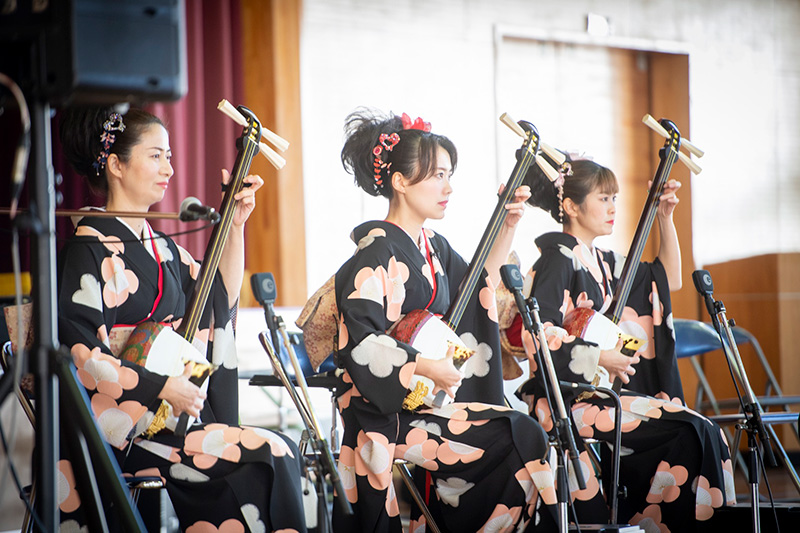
[[675, 463], [485, 460], [220, 475]]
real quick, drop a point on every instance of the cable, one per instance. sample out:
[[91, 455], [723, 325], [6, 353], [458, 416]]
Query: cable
[[133, 239], [769, 491], [24, 145]]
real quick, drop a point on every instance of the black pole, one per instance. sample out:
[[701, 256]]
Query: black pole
[[43, 287]]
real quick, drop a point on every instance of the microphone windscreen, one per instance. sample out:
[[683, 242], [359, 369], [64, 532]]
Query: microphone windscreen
[[189, 201], [702, 282], [264, 288], [512, 277]]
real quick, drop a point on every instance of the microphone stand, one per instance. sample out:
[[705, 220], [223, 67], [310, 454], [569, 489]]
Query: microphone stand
[[751, 408], [313, 434], [564, 438]]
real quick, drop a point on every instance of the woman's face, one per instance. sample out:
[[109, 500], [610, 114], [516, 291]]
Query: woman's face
[[428, 198], [595, 216], [145, 176]]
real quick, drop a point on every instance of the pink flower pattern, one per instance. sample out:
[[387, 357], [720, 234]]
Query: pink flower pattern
[[68, 497], [119, 281], [488, 300]]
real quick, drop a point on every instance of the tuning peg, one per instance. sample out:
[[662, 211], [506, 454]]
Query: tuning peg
[[658, 128], [272, 156], [549, 171], [511, 123], [694, 167], [279, 142], [554, 154]]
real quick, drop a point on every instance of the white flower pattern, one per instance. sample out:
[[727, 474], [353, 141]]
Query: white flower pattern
[[380, 353], [478, 364], [450, 490], [89, 294], [584, 360], [253, 518], [430, 427], [186, 473], [375, 456]]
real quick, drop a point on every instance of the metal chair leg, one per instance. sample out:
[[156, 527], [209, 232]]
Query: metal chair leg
[[406, 475]]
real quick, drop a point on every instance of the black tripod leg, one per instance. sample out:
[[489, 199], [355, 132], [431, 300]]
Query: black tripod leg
[[105, 465]]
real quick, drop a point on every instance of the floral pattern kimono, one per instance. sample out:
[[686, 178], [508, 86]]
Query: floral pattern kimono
[[675, 463], [219, 475], [485, 461]]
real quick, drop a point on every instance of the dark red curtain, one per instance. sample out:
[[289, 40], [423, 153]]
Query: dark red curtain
[[203, 139]]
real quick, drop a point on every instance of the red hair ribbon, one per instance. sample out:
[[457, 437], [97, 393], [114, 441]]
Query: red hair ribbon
[[418, 124]]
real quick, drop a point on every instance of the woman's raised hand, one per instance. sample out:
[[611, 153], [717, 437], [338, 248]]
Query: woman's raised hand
[[669, 198], [246, 198], [515, 208]]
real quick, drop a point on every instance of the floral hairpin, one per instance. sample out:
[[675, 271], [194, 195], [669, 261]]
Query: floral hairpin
[[107, 138], [418, 124], [564, 170], [386, 142]]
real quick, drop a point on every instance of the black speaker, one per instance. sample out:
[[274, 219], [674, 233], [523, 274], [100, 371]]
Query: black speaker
[[95, 51]]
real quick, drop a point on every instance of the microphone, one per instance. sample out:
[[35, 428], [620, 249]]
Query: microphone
[[264, 289], [705, 287], [512, 279], [193, 209], [266, 292]]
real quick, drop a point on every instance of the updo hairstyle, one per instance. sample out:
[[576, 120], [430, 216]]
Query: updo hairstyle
[[81, 129], [581, 177], [414, 155]]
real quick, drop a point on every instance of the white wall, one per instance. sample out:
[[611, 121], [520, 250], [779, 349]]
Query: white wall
[[436, 59]]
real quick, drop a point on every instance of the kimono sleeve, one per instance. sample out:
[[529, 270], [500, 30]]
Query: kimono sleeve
[[370, 292], [84, 321], [556, 288]]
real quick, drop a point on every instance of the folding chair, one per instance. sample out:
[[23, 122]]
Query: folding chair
[[693, 339], [25, 396]]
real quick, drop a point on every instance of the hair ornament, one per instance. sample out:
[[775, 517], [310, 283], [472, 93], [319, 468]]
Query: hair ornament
[[564, 170], [418, 124], [107, 138], [386, 142]]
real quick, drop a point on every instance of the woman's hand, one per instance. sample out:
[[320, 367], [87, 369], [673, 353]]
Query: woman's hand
[[182, 394], [246, 198], [668, 199], [515, 208], [442, 372], [618, 365]]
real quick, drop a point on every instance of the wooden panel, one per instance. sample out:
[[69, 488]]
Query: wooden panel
[[669, 98], [275, 236], [669, 89], [762, 294]]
